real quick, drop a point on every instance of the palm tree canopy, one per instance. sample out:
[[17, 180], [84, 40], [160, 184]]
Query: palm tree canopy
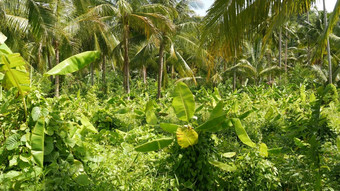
[[230, 22]]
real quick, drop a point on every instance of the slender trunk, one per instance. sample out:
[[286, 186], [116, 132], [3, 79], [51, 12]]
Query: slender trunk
[[56, 92], [126, 59], [160, 67], [49, 63], [92, 74], [39, 65], [144, 74], [308, 48], [269, 65], [286, 51], [104, 73], [280, 50], [234, 80], [328, 46]]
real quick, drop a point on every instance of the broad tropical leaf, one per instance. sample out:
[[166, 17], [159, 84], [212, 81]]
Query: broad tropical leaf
[[241, 133], [263, 150], [150, 114], [87, 124], [12, 142], [37, 112], [183, 102], [186, 136], [168, 127], [216, 119], [74, 63], [154, 145], [15, 74], [37, 142]]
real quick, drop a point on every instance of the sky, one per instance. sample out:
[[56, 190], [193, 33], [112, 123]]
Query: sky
[[207, 3]]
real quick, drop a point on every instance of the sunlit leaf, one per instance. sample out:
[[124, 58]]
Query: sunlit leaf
[[150, 114], [87, 124], [12, 142], [186, 136], [263, 150], [154, 145], [183, 102], [74, 63], [37, 112], [229, 154], [168, 127], [241, 133]]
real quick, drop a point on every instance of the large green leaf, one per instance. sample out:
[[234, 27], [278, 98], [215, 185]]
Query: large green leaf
[[263, 150], [241, 133], [150, 114], [183, 102], [168, 127], [154, 145], [37, 142], [216, 119], [15, 72], [87, 124], [74, 63], [4, 49], [12, 142], [186, 136], [37, 112]]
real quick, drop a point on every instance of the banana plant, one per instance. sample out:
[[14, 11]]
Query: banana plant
[[74, 63], [12, 71], [183, 104]]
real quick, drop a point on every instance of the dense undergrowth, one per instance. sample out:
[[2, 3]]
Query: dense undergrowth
[[299, 125]]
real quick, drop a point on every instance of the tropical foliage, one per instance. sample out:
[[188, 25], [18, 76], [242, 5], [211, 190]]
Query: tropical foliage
[[146, 95]]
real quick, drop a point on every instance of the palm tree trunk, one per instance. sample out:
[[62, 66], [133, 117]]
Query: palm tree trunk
[[40, 66], [126, 60], [144, 74], [328, 46], [57, 82], [234, 80], [160, 69], [308, 42], [286, 51], [104, 74], [280, 50], [49, 63]]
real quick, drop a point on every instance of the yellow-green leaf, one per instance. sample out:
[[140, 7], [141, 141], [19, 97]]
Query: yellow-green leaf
[[241, 133], [86, 123], [154, 145], [183, 102], [74, 63], [151, 118], [229, 154], [263, 150], [186, 136], [168, 127]]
